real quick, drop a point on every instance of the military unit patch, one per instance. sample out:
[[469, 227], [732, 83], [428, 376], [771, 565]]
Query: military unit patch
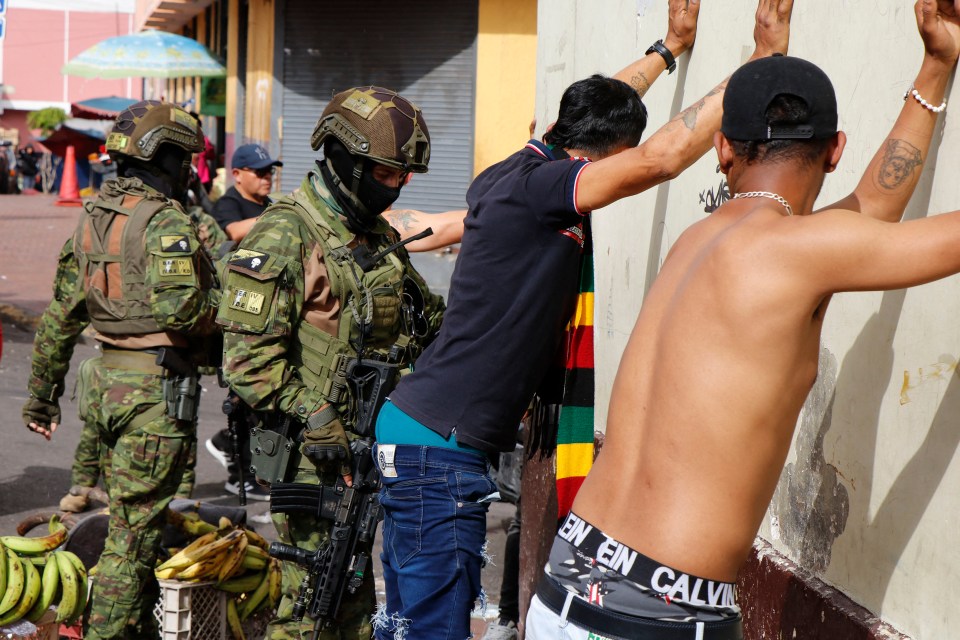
[[251, 260], [175, 244], [176, 267], [183, 118], [249, 301], [362, 104], [117, 142]]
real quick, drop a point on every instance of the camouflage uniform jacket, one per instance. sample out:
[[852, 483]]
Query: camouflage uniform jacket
[[181, 306], [258, 359]]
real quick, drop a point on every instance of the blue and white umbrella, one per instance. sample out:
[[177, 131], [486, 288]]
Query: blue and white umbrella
[[148, 54]]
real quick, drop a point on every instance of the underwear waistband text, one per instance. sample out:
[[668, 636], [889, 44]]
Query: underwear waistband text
[[670, 583]]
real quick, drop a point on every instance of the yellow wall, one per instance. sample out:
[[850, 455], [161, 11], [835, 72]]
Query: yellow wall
[[506, 78]]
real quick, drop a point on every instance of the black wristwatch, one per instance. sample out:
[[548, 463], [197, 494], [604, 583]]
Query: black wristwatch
[[658, 47]]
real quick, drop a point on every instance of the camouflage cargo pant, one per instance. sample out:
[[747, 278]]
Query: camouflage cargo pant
[[309, 532], [87, 459], [143, 467]]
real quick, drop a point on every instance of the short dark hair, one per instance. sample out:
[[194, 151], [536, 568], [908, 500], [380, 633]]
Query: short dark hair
[[785, 109], [598, 115]]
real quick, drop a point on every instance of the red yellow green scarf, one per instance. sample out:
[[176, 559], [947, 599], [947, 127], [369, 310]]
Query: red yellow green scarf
[[575, 428]]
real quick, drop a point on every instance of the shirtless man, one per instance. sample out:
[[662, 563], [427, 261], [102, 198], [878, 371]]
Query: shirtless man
[[668, 514]]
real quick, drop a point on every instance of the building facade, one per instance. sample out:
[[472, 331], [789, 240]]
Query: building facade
[[39, 37], [286, 58]]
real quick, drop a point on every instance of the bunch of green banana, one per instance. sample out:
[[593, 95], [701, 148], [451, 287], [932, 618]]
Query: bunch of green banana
[[28, 593], [27, 546], [254, 592], [34, 576]]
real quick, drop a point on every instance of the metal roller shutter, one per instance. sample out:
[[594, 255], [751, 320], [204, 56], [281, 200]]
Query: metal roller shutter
[[425, 50]]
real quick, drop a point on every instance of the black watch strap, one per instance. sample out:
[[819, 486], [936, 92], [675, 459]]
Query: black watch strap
[[658, 47]]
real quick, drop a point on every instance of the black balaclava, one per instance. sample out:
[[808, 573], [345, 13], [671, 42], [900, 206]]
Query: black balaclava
[[361, 197], [167, 172]]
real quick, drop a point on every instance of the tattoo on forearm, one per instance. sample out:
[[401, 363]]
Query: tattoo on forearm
[[401, 218], [900, 158], [640, 83], [689, 115]]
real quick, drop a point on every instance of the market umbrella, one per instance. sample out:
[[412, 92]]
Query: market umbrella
[[148, 54], [108, 107], [85, 136]]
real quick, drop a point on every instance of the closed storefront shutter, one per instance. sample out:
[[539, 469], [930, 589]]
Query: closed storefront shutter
[[425, 50]]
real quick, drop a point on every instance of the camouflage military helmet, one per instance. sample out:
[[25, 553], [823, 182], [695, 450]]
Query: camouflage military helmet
[[141, 128], [378, 124]]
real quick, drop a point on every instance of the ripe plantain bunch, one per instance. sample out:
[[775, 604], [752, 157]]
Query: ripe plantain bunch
[[233, 558], [34, 576]]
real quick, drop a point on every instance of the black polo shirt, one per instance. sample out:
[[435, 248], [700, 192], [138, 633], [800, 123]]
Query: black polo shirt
[[512, 293], [232, 207]]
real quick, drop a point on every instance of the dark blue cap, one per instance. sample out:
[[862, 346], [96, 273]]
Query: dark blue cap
[[253, 156]]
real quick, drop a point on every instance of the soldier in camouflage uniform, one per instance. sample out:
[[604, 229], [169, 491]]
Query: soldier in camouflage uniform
[[297, 305], [133, 271], [88, 459]]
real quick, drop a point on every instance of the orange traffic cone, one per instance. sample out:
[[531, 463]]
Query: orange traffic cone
[[69, 191]]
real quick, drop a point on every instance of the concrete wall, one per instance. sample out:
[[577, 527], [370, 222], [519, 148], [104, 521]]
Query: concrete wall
[[506, 78], [870, 498]]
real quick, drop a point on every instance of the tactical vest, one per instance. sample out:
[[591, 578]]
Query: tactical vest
[[110, 247], [372, 299]]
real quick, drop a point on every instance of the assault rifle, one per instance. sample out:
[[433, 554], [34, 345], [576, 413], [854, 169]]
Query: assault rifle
[[238, 429], [340, 565]]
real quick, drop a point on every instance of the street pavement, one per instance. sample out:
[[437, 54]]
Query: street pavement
[[34, 473]]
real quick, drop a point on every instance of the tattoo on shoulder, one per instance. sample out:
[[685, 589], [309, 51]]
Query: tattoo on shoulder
[[640, 83], [401, 218], [900, 158]]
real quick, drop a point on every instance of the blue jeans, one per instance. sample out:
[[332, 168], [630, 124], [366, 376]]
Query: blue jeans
[[434, 528]]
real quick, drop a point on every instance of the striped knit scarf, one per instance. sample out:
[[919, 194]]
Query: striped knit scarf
[[575, 429]]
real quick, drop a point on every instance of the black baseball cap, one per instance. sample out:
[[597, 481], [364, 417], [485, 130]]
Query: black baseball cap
[[753, 87], [253, 156]]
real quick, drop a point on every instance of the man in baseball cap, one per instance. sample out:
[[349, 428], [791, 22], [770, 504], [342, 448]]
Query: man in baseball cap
[[236, 212], [238, 208], [754, 87]]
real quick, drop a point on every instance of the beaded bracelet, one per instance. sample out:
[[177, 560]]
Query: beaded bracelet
[[923, 103]]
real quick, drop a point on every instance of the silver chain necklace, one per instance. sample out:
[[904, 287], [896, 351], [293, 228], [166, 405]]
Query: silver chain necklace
[[767, 194]]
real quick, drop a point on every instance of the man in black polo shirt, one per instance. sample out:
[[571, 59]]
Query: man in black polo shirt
[[236, 212], [511, 295], [238, 209]]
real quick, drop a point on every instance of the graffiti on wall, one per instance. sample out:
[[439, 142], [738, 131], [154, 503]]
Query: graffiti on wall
[[712, 198]]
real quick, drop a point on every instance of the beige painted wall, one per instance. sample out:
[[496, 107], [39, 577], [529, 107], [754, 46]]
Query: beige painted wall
[[506, 78], [259, 82], [870, 499]]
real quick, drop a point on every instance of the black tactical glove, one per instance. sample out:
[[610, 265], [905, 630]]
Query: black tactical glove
[[42, 412], [324, 439]]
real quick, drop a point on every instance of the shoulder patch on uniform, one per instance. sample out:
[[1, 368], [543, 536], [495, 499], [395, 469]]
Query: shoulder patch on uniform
[[252, 260], [175, 244], [175, 267], [248, 301]]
